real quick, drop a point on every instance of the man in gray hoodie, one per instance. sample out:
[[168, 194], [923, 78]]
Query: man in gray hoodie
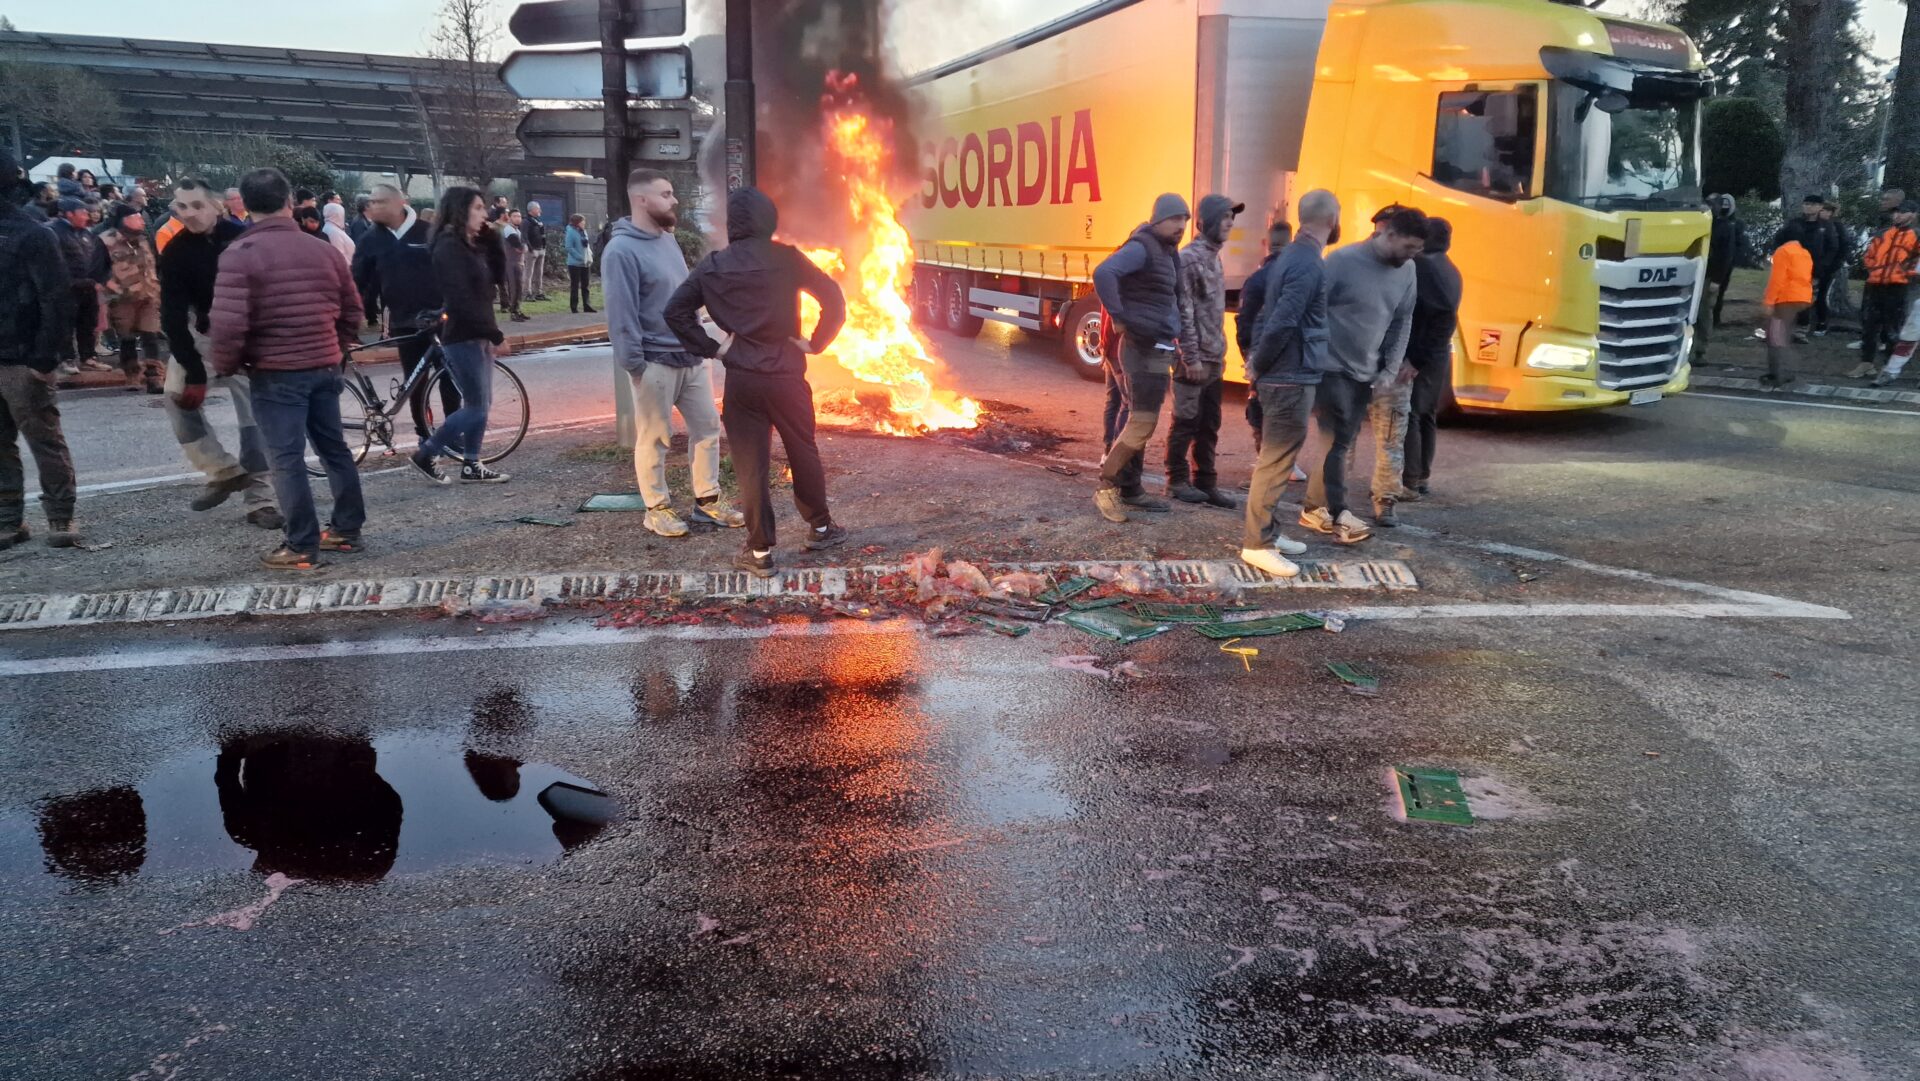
[[1137, 285], [1370, 294], [1202, 365], [639, 270]]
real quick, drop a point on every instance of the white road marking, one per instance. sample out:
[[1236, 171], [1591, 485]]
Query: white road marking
[[1803, 405], [1781, 610]]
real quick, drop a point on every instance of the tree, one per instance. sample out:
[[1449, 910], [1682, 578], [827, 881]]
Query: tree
[[220, 159], [57, 109], [1815, 54], [478, 115], [1903, 123], [1740, 148]]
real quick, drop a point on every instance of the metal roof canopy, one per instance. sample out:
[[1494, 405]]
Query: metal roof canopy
[[362, 111]]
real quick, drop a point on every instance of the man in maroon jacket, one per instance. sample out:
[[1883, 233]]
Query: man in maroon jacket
[[284, 308]]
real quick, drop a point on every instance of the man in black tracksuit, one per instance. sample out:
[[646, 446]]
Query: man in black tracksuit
[[751, 289], [1436, 312], [76, 243], [393, 269], [1822, 242], [33, 324], [1253, 296], [1137, 285]]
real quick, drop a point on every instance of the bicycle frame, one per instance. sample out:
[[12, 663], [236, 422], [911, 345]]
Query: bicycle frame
[[430, 362]]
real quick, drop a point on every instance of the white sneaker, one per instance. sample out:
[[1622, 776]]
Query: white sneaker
[[1287, 546], [1270, 561], [1349, 529], [1298, 475]]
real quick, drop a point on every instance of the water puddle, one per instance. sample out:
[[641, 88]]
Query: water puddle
[[316, 807]]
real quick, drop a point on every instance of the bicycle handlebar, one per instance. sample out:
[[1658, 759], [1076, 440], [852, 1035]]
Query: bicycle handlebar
[[429, 325]]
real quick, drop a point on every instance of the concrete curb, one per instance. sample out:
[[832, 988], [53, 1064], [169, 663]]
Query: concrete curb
[[1818, 391], [171, 604]]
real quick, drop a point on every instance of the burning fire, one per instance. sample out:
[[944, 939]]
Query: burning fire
[[879, 347]]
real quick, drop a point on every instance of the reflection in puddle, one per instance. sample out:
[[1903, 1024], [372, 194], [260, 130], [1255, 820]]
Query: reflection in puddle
[[326, 808]]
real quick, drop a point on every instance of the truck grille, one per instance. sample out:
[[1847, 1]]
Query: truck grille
[[1645, 306]]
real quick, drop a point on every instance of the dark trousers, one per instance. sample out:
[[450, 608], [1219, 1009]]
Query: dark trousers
[[295, 408], [30, 411], [1196, 435], [1255, 418], [1822, 285], [412, 351], [1145, 373], [577, 291], [754, 405], [1882, 309], [1119, 408], [1423, 424], [86, 321], [1339, 408]]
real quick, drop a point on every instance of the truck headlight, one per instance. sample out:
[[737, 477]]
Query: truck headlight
[[1560, 358]]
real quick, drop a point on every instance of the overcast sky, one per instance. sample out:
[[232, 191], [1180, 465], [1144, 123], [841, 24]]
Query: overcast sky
[[926, 31]]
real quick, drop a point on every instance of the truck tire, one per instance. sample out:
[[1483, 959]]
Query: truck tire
[[960, 319], [926, 298], [1080, 339]]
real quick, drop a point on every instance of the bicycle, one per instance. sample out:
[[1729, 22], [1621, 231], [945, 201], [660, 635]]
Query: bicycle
[[365, 417]]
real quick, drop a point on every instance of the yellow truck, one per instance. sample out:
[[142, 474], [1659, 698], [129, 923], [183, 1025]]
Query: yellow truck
[[1562, 144]]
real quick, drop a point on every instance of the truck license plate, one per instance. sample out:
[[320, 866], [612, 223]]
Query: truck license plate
[[1645, 397]]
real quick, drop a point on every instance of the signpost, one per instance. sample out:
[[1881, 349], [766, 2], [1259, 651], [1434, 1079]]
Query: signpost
[[577, 22], [664, 134], [578, 74]]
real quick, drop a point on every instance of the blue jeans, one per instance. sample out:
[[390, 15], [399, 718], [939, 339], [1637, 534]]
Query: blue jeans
[[470, 366], [293, 409]]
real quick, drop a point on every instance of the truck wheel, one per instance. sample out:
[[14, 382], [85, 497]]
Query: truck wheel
[[960, 319], [1080, 340], [926, 298]]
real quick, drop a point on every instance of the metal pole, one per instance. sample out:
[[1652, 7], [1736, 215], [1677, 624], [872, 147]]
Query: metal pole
[[739, 95], [613, 102]]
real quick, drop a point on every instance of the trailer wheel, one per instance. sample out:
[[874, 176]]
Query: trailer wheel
[[960, 319], [1080, 340], [926, 298]]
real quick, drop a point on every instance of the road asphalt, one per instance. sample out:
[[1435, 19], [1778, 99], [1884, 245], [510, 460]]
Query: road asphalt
[[333, 846]]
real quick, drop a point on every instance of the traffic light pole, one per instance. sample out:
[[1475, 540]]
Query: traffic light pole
[[739, 94], [613, 99]]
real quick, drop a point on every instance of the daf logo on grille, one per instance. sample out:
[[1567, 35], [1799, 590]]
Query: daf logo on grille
[[1659, 274]]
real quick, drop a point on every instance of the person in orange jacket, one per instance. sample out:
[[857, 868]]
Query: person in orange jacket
[[1789, 292]]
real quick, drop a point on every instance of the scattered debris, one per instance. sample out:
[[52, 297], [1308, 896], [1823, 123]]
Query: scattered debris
[[873, 549], [1019, 583], [1063, 471], [1010, 630], [1431, 795], [1651, 754], [494, 611], [969, 577], [1011, 609], [1098, 602], [1356, 680], [853, 610], [610, 501], [1066, 590], [1245, 653], [1114, 625], [703, 924], [1175, 613], [1090, 664], [1260, 628], [536, 519], [1134, 580]]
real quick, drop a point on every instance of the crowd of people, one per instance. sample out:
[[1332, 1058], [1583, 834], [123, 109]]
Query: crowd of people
[[1330, 341], [261, 289]]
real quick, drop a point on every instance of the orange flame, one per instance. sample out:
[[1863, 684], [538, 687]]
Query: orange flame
[[880, 346]]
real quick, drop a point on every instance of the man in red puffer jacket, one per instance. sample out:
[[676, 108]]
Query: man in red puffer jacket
[[284, 308]]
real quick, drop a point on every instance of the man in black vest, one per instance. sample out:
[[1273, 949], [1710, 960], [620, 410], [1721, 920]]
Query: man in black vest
[[1137, 285], [394, 272]]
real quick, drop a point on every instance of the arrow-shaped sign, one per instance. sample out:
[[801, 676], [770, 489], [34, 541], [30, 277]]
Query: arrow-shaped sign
[[574, 74], [572, 22], [664, 134]]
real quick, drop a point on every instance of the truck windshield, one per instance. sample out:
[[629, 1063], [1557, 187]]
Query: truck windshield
[[1646, 154]]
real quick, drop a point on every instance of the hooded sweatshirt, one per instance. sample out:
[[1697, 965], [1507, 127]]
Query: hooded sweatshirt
[[1436, 301], [1203, 292], [751, 288], [640, 271]]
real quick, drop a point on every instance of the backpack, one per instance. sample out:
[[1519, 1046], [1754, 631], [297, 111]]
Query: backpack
[[1110, 333]]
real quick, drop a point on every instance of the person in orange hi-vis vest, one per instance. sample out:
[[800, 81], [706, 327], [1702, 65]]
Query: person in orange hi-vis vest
[[1890, 260], [1789, 292]]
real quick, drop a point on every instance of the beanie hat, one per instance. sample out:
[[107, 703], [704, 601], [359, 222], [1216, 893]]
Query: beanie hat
[[1168, 206], [68, 204]]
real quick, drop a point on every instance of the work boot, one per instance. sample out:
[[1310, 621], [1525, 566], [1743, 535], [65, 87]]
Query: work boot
[[1383, 515], [1109, 503], [832, 535], [714, 513], [267, 517], [1218, 498], [1186, 493], [758, 564], [663, 521], [64, 535], [155, 377], [219, 491], [1145, 502], [1411, 492], [16, 535], [1270, 561]]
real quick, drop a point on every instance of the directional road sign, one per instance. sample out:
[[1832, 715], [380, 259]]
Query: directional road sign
[[663, 134], [574, 74], [572, 22]]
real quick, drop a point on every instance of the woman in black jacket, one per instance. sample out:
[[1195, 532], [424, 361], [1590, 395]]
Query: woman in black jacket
[[466, 265]]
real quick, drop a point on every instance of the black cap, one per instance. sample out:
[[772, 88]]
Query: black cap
[[1908, 207], [1814, 199]]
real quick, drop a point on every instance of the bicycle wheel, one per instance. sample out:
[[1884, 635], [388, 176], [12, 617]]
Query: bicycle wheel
[[506, 421], [358, 421]]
